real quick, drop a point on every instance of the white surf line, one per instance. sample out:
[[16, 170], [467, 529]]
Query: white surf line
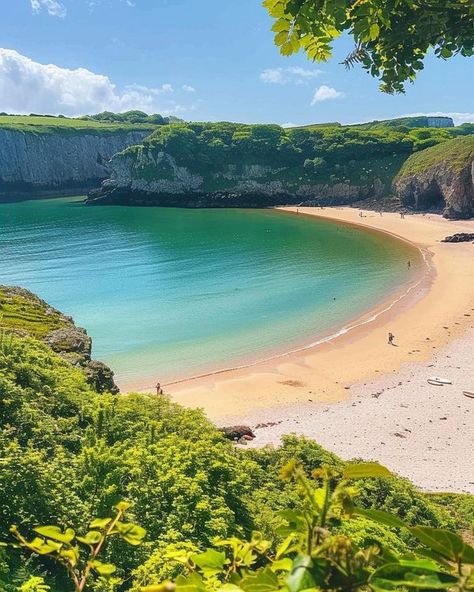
[[346, 329]]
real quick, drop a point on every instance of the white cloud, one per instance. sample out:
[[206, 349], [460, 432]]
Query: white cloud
[[326, 93], [187, 88], [272, 76], [53, 7], [304, 72], [27, 86], [293, 74]]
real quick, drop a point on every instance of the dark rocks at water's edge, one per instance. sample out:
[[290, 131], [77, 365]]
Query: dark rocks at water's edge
[[57, 330], [238, 433], [460, 237], [223, 199]]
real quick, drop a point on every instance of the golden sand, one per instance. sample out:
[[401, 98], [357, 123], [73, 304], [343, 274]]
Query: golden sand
[[445, 298]]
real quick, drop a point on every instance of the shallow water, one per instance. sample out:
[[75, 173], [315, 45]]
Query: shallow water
[[168, 293]]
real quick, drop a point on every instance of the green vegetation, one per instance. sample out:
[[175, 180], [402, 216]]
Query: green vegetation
[[69, 454], [24, 314], [297, 157], [131, 117], [47, 124], [323, 547], [455, 154], [391, 38]]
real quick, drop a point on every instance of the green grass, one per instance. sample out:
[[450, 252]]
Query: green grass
[[65, 126], [26, 314], [456, 153]]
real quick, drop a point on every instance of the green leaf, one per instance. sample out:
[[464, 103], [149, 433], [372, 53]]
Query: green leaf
[[365, 470], [55, 533], [281, 37], [122, 506], [410, 574], [71, 555], [300, 577], [285, 545], [104, 570], [374, 32], [441, 541], [191, 583], [284, 564], [100, 523], [263, 580], [132, 533], [381, 517], [43, 547], [211, 562], [91, 538]]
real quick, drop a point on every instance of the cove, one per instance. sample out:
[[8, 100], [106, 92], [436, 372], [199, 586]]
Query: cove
[[171, 293]]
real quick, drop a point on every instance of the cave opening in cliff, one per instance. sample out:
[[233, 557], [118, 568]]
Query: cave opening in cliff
[[431, 198]]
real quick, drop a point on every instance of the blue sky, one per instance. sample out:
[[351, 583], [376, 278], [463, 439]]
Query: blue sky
[[198, 59]]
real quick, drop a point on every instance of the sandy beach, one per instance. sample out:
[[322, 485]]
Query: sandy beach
[[329, 392]]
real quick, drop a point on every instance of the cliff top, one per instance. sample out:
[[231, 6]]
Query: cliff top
[[456, 153], [39, 124]]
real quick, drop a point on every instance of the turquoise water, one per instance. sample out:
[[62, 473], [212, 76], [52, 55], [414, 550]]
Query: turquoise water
[[169, 293]]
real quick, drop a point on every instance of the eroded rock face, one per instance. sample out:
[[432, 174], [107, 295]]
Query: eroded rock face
[[148, 180], [32, 162], [446, 182]]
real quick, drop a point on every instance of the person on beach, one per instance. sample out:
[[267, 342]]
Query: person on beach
[[159, 390], [409, 264], [391, 337]]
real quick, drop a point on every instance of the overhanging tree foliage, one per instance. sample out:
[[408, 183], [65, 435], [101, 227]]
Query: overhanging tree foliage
[[392, 37]]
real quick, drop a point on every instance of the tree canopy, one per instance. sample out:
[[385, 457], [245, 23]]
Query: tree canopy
[[392, 37]]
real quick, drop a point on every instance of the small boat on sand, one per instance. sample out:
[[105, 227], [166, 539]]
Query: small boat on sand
[[437, 381], [469, 394]]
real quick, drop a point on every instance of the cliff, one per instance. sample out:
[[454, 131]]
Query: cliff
[[165, 183], [23, 313], [440, 177], [34, 160], [235, 165]]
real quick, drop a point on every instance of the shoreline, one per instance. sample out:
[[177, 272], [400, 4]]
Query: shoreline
[[298, 389], [262, 383], [397, 297]]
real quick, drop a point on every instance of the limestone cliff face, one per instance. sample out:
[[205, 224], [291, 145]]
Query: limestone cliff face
[[54, 161], [440, 177], [142, 177]]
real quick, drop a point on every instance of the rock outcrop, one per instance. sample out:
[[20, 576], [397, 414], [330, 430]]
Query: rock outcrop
[[25, 314], [460, 237], [440, 178], [140, 177], [238, 433], [60, 160]]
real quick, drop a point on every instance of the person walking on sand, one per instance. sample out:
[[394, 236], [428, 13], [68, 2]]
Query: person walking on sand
[[159, 390], [409, 264], [391, 337]]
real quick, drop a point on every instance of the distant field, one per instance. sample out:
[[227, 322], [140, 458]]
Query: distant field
[[44, 125]]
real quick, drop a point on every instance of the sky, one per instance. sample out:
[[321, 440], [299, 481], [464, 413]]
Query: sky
[[204, 60]]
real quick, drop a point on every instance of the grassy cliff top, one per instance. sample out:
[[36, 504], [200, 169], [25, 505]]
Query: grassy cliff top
[[456, 153], [24, 313], [38, 124]]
